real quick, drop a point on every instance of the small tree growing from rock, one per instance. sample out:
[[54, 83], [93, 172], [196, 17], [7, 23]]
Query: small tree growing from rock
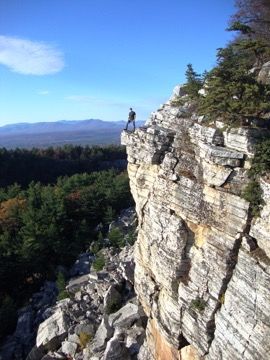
[[61, 286], [99, 262], [117, 238]]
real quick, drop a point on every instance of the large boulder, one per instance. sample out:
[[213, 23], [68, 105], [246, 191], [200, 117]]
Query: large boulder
[[69, 348], [53, 330], [85, 327], [75, 284], [127, 265], [115, 349], [134, 339], [103, 334], [125, 317]]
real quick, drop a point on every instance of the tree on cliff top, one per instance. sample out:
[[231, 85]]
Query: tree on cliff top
[[233, 93], [194, 82], [256, 14]]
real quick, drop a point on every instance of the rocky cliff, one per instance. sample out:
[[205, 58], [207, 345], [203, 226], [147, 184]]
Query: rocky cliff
[[202, 262]]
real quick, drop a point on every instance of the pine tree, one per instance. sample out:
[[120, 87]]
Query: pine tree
[[194, 82], [255, 14], [233, 93]]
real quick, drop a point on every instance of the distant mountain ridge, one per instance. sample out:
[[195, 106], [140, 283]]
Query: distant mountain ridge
[[58, 133], [61, 125]]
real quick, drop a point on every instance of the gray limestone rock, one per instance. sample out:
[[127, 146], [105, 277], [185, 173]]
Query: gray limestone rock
[[103, 334], [115, 349], [85, 327], [76, 283], [69, 348], [243, 325], [134, 339], [243, 139], [36, 353], [207, 135], [215, 175], [53, 330], [125, 317], [74, 338], [178, 90], [199, 287], [260, 228]]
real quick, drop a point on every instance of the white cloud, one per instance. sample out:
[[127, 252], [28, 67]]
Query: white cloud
[[43, 92], [30, 57]]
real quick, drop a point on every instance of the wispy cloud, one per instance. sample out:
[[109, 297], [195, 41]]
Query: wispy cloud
[[43, 92], [30, 57]]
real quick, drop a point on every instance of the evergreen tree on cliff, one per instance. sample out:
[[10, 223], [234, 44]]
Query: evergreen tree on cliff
[[256, 14], [194, 82], [233, 93]]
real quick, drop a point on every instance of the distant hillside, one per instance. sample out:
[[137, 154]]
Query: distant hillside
[[77, 132]]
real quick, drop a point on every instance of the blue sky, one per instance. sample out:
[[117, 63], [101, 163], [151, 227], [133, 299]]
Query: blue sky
[[81, 59]]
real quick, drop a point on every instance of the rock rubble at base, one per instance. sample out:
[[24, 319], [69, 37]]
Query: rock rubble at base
[[100, 320], [83, 317], [21, 342]]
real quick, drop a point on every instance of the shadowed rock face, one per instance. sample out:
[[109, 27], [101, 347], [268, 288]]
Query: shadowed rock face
[[204, 288]]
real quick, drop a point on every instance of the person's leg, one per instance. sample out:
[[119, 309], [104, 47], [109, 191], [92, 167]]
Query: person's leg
[[133, 125], [126, 125]]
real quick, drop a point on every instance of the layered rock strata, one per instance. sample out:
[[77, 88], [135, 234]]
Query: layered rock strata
[[202, 263]]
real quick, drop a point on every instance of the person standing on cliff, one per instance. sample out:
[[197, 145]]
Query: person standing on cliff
[[131, 118]]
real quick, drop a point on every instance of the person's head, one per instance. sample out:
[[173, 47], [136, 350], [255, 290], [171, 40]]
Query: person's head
[[130, 109]]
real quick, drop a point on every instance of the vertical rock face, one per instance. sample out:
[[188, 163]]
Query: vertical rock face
[[202, 279]]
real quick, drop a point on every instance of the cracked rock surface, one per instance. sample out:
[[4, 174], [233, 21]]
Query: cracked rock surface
[[202, 269]]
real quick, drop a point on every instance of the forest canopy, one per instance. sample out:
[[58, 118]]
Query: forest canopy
[[46, 165]]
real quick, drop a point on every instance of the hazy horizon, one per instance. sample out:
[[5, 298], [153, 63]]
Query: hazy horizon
[[64, 120]]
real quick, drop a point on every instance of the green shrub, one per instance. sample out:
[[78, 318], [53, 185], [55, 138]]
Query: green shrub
[[113, 306], [177, 101], [194, 83], [261, 160], [61, 286], [99, 262], [84, 339], [117, 238], [131, 237], [253, 194], [198, 304]]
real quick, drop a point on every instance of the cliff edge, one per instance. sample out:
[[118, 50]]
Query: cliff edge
[[202, 261]]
